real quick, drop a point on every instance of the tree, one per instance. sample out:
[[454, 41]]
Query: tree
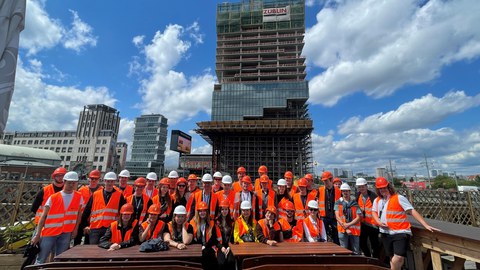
[[445, 182]]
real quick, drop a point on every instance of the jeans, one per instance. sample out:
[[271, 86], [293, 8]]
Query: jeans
[[58, 244], [331, 228], [351, 242], [95, 235]]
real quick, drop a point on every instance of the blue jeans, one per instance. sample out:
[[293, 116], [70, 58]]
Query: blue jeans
[[56, 244], [351, 242]]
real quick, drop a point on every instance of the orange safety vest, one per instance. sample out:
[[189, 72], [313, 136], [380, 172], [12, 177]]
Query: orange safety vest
[[117, 234], [154, 193], [315, 232], [191, 198], [159, 228], [271, 201], [237, 186], [367, 210], [396, 216], [265, 231], [231, 199], [198, 197], [103, 215], [47, 192], [259, 187], [156, 200], [321, 199], [294, 190], [300, 212], [238, 201], [126, 192], [209, 234], [59, 220], [170, 229], [297, 230], [86, 194], [355, 228], [281, 208], [144, 209]]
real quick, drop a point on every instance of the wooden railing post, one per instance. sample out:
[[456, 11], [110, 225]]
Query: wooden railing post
[[472, 210], [20, 188], [443, 216]]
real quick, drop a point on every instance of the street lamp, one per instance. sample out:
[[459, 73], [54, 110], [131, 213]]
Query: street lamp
[[26, 169]]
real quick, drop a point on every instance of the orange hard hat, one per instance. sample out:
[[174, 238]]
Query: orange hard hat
[[326, 175], [165, 181], [288, 174], [181, 180], [241, 170], [381, 182], [247, 179], [272, 210], [262, 169], [225, 203], [309, 176], [289, 206], [126, 209], [192, 177], [264, 178], [59, 170], [302, 182], [336, 179], [154, 209], [95, 174], [202, 206], [140, 182]]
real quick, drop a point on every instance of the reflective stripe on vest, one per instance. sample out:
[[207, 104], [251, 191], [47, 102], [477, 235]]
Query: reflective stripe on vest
[[300, 212], [265, 230], [117, 234], [315, 232], [367, 210], [271, 201], [159, 228], [47, 192], [321, 199], [354, 228], [396, 216], [58, 220], [103, 215]]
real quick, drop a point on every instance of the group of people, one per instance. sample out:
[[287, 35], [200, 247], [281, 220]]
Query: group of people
[[223, 212]]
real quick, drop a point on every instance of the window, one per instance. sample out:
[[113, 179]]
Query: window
[[47, 141], [67, 158], [35, 142], [70, 149], [104, 142], [71, 141], [57, 149], [103, 150], [30, 141], [65, 141], [100, 168], [101, 159], [95, 159], [59, 141], [64, 149], [41, 141]]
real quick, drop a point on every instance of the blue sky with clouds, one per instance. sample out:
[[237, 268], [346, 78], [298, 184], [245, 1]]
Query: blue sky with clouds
[[389, 80]]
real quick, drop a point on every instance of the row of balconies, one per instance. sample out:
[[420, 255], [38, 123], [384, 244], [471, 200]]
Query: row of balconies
[[221, 67], [259, 80], [259, 44], [248, 59], [259, 36], [259, 74]]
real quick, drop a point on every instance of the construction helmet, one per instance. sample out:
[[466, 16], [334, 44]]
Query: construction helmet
[[288, 174], [264, 178], [245, 205], [302, 182], [110, 176], [336, 179], [225, 203], [262, 169], [59, 171], [181, 180], [173, 174], [345, 186], [381, 182], [71, 176], [152, 176], [281, 182], [124, 173], [202, 206], [241, 170], [140, 182], [217, 175], [360, 182], [180, 210], [165, 181], [247, 179], [272, 210], [154, 209], [207, 178], [192, 177], [227, 179], [308, 176], [126, 209], [312, 204], [289, 206], [95, 174], [326, 175]]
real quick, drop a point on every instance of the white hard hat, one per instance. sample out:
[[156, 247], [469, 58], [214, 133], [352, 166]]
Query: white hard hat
[[245, 205], [360, 182], [71, 176], [180, 210], [173, 174], [217, 174], [227, 179], [207, 178], [152, 176], [282, 182], [345, 186], [124, 173], [110, 176], [312, 204]]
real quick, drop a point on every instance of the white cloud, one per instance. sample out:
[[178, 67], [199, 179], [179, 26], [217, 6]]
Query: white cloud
[[204, 149], [138, 40], [378, 47], [80, 35], [419, 113], [165, 90]]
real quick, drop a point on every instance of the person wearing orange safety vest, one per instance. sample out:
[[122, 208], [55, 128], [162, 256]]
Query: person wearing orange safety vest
[[282, 197], [47, 191], [87, 192], [244, 230], [192, 189], [206, 196], [164, 200], [262, 170], [153, 227], [294, 232], [312, 192], [300, 200], [327, 196], [173, 178], [151, 189], [179, 197], [291, 188], [348, 216], [245, 195], [180, 232], [59, 220], [122, 233], [102, 209], [266, 197], [390, 211], [369, 228], [217, 182], [337, 182], [139, 200], [313, 228], [237, 186], [268, 229], [123, 185], [226, 194]]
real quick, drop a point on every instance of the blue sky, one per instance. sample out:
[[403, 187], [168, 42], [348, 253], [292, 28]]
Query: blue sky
[[389, 80]]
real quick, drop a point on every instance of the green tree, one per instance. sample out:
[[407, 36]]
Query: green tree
[[445, 182]]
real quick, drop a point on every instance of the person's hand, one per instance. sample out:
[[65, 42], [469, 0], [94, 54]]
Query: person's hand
[[225, 251], [271, 242], [86, 230], [35, 239], [114, 246], [181, 246], [384, 225], [348, 231], [74, 234], [432, 229]]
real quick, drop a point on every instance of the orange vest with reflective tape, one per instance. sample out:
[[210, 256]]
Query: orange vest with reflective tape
[[198, 197], [294, 190], [238, 202], [281, 208], [59, 220], [126, 192], [354, 228], [86, 193], [300, 212], [159, 228], [265, 230], [144, 209], [315, 231], [117, 234], [209, 232], [103, 215], [367, 210], [271, 201], [396, 216], [47, 192], [321, 199], [231, 199]]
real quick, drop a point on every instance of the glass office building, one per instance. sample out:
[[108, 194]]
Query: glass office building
[[259, 110]]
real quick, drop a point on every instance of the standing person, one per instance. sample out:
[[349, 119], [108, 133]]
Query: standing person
[[237, 186], [173, 178], [217, 182], [180, 195], [262, 170], [151, 189], [59, 220], [291, 188], [102, 209], [266, 197], [294, 233], [244, 230], [164, 199], [313, 228], [224, 221], [87, 192], [312, 192], [47, 191], [282, 197], [337, 182], [227, 193], [369, 228], [123, 232], [327, 196], [123, 185], [180, 232], [192, 189], [348, 216], [139, 200], [245, 195], [268, 230], [153, 227], [206, 196], [300, 200], [390, 210]]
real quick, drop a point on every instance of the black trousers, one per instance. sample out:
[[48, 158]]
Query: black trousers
[[331, 228], [226, 263], [209, 259], [369, 233]]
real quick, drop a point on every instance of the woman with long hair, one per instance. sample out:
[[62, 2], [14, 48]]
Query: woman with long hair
[[179, 197], [282, 197], [122, 233], [268, 229], [224, 221], [153, 227], [164, 200], [244, 230], [180, 232]]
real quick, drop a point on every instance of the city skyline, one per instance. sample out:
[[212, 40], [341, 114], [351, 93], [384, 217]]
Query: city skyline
[[396, 84]]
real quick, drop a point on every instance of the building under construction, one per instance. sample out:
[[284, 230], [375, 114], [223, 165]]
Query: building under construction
[[259, 110]]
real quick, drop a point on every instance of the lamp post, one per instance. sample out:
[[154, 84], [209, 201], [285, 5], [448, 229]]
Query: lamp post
[[26, 169]]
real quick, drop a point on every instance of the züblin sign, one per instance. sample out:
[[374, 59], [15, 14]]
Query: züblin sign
[[276, 14]]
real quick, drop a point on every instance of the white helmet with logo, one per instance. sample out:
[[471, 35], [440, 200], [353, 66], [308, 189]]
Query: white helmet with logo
[[312, 204], [217, 175], [282, 182], [207, 178], [245, 205]]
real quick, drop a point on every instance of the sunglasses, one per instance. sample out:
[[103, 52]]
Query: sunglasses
[[313, 209], [94, 179], [181, 186]]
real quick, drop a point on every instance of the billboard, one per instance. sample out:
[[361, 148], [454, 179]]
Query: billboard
[[276, 14], [180, 142]]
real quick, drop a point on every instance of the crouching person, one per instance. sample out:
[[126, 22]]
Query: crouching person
[[180, 232], [153, 227], [313, 228], [268, 229], [122, 233]]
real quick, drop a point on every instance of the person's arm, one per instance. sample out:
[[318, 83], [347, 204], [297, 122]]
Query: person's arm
[[339, 220], [41, 223], [77, 223], [105, 239], [37, 202], [375, 215], [260, 236], [144, 233], [324, 232], [86, 215], [422, 221], [134, 239], [187, 234]]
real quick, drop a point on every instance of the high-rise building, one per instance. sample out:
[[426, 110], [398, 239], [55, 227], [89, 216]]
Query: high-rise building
[[148, 147], [259, 110], [121, 149]]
